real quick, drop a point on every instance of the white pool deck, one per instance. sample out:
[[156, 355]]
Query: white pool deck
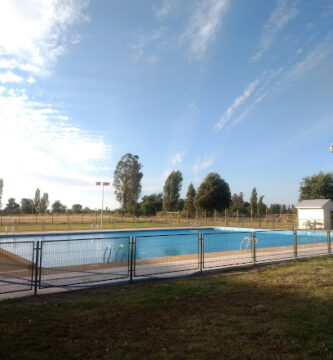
[[160, 268]]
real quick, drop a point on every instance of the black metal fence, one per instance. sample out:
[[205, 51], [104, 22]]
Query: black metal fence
[[33, 265]]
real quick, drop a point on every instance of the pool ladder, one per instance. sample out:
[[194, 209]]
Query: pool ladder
[[9, 229], [248, 243], [108, 253]]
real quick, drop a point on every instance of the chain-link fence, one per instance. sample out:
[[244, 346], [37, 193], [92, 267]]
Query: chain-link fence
[[91, 260]]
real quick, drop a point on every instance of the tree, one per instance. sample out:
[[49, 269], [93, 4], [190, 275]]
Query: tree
[[253, 201], [27, 206], [12, 207], [77, 208], [213, 194], [171, 190], [238, 205], [180, 204], [127, 180], [261, 207], [189, 201], [151, 204], [319, 186], [44, 203], [58, 207], [1, 189], [37, 201]]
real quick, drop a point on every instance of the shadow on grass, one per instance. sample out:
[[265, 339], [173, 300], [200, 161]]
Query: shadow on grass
[[277, 312]]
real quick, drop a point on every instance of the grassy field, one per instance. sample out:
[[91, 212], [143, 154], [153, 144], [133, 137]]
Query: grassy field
[[280, 311]]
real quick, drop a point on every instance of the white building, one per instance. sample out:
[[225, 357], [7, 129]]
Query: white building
[[315, 214]]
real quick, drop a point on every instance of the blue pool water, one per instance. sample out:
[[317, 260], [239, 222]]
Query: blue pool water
[[87, 248]]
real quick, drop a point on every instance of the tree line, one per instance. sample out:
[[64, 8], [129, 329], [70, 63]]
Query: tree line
[[38, 205], [213, 194]]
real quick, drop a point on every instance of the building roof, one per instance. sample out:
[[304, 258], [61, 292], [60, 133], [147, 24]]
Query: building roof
[[313, 204]]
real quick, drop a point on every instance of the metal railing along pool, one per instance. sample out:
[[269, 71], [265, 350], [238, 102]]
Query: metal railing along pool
[[83, 260]]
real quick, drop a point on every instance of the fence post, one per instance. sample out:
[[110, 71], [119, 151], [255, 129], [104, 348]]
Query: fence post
[[43, 225], [36, 279], [132, 242], [295, 244], [201, 258], [253, 247], [329, 241]]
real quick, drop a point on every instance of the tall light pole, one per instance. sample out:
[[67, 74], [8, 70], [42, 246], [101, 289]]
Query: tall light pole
[[98, 183]]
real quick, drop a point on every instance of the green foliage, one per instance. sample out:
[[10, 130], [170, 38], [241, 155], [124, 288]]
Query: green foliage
[[127, 180], [37, 201], [12, 207], [180, 204], [44, 203], [1, 189], [77, 208], [253, 201], [281, 209], [261, 207], [189, 201], [27, 206], [58, 207], [171, 190], [213, 194], [319, 186], [151, 204], [238, 205]]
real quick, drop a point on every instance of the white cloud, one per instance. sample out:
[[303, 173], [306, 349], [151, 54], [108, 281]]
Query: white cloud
[[33, 34], [283, 13], [41, 143], [238, 101], [178, 158], [10, 77], [203, 26]]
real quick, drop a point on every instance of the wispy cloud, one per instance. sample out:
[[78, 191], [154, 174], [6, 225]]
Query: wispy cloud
[[282, 14], [310, 61], [273, 81], [138, 47], [143, 44], [204, 163], [166, 8], [34, 34], [203, 26], [238, 101], [178, 158]]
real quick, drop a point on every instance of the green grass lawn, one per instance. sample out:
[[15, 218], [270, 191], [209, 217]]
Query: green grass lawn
[[282, 311]]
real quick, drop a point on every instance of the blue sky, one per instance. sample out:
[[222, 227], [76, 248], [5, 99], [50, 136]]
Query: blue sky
[[242, 88]]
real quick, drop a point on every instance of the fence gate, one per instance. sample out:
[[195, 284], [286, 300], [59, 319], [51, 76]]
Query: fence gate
[[16, 266]]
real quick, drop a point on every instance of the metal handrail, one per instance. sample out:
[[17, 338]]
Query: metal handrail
[[123, 254], [110, 253], [249, 241]]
